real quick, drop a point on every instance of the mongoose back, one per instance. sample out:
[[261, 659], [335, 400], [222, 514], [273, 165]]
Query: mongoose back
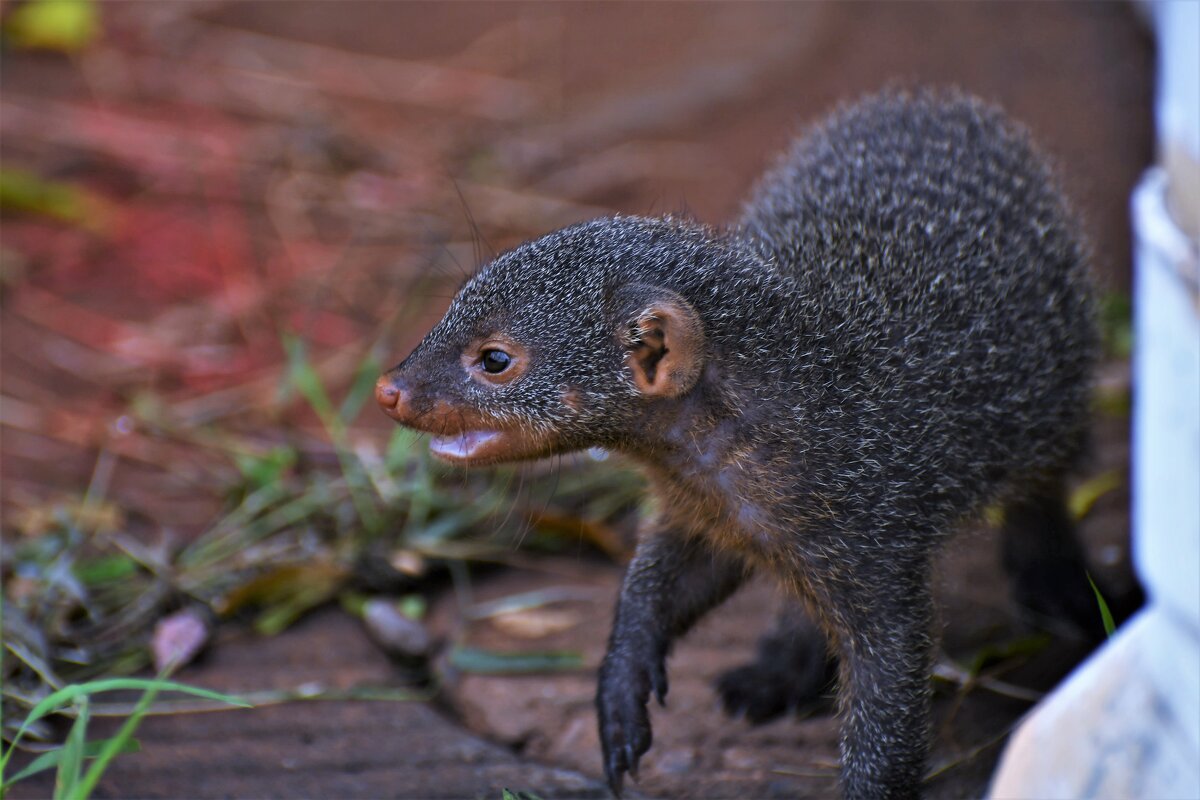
[[898, 331]]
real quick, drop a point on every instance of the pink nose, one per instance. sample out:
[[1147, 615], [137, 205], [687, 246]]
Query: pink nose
[[393, 397]]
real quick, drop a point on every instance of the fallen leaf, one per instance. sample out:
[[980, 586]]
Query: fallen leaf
[[536, 623], [284, 594], [569, 527], [64, 25], [1091, 490]]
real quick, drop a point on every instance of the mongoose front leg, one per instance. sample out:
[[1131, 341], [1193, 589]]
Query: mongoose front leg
[[671, 582], [792, 671]]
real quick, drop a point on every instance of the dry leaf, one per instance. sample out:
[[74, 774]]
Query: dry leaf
[[534, 623]]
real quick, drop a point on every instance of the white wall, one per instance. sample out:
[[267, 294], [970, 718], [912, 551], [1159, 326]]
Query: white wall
[[1126, 724]]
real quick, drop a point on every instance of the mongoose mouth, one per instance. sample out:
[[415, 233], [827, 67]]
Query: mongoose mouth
[[464, 447], [479, 447]]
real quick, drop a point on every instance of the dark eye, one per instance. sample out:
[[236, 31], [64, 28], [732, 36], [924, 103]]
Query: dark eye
[[495, 361]]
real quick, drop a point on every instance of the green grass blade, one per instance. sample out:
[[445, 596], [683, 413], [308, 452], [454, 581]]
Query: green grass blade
[[51, 759], [403, 448], [105, 569], [1106, 615], [69, 693], [66, 782], [489, 662], [304, 377], [517, 794], [25, 192], [361, 389], [114, 745], [117, 743]]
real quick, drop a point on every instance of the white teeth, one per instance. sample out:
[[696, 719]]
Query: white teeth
[[460, 445]]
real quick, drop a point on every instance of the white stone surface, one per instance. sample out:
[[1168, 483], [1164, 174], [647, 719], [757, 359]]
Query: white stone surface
[[1126, 724], [1177, 102], [1166, 424], [1115, 730]]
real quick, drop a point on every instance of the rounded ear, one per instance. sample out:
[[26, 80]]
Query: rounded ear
[[664, 341]]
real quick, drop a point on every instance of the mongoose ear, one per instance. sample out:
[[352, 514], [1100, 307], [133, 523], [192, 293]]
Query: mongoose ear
[[664, 342]]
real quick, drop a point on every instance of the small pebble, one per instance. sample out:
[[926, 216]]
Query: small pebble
[[394, 632], [677, 761], [178, 638]]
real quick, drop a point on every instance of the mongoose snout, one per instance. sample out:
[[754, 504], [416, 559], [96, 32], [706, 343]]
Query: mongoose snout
[[897, 332], [457, 435]]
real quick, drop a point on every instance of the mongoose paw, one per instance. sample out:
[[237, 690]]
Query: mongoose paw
[[621, 699], [768, 688]]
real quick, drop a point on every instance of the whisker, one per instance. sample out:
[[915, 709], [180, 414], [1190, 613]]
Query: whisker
[[479, 238]]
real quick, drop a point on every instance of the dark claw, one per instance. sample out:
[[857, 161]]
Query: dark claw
[[659, 682], [626, 682], [613, 770]]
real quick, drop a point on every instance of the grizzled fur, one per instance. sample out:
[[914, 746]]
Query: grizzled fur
[[898, 331]]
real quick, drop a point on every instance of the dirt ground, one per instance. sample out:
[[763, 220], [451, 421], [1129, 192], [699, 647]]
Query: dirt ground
[[531, 116]]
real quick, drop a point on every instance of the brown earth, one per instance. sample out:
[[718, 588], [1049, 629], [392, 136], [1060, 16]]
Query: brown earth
[[544, 114]]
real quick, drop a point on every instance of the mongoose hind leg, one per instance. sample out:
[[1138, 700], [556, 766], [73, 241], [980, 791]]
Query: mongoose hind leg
[[1047, 567], [792, 672], [670, 583]]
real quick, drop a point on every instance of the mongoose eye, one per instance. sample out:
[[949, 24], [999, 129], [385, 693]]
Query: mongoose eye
[[495, 361]]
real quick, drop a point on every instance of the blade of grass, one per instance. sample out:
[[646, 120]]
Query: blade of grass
[[263, 469], [51, 759], [66, 781], [105, 569], [114, 745], [948, 764], [528, 600], [401, 448], [1105, 615], [34, 662], [25, 192], [285, 515], [304, 377], [117, 743], [517, 794], [488, 662], [421, 491], [69, 693], [231, 524], [361, 388], [270, 697]]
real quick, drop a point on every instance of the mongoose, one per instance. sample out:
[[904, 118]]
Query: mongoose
[[897, 332]]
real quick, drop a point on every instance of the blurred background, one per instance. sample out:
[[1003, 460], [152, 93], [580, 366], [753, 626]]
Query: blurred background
[[221, 220]]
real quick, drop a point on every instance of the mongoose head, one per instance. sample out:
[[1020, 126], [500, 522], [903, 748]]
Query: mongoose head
[[561, 344]]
